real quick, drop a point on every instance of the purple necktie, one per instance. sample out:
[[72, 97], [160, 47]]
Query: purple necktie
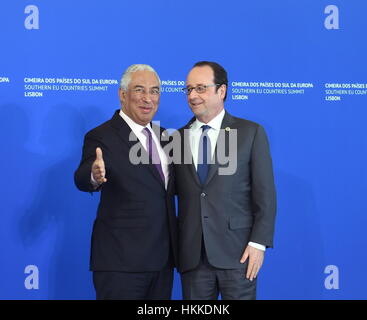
[[153, 152]]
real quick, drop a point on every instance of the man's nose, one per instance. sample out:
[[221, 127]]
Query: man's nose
[[147, 97], [192, 95]]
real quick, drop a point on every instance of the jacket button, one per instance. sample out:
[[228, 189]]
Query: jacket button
[[203, 195]]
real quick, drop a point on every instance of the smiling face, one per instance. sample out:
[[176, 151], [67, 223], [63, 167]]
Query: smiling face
[[205, 105], [140, 100]]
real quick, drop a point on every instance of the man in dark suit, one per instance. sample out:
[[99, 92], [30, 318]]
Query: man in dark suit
[[226, 209], [133, 242]]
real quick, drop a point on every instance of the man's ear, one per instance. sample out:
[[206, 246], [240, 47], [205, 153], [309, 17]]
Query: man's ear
[[122, 95], [222, 91]]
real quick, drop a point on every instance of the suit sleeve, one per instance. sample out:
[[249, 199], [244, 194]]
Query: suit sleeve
[[263, 190], [82, 176]]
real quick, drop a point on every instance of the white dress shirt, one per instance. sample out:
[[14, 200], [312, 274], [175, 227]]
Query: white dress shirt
[[213, 133], [138, 131]]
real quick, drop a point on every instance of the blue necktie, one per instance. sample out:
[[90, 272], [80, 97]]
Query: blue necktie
[[204, 155]]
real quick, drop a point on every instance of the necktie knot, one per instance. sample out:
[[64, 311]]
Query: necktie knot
[[147, 132], [205, 128]]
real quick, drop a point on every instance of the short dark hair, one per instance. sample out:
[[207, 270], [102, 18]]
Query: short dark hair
[[220, 74]]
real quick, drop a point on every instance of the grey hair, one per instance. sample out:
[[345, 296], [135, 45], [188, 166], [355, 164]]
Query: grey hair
[[126, 77]]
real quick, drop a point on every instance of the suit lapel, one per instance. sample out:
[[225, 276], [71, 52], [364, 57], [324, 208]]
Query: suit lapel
[[226, 124], [163, 138], [186, 154], [123, 130]]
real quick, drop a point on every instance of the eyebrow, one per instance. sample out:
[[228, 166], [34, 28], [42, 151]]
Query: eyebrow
[[199, 84], [140, 86]]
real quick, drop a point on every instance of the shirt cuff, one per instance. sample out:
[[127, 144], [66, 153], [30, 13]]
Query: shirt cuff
[[257, 246]]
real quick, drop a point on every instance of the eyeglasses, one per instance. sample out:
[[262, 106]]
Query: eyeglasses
[[201, 88], [141, 91]]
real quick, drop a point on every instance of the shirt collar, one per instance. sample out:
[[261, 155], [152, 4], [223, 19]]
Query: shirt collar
[[215, 123], [135, 127]]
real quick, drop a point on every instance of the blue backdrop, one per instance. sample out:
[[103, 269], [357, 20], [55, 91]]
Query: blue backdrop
[[296, 67]]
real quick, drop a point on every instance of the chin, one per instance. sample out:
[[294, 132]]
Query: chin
[[198, 113], [146, 120], [195, 110]]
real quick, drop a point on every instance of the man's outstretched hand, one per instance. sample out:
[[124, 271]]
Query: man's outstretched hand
[[98, 168]]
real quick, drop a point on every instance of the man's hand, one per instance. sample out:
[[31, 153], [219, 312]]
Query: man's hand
[[256, 259], [98, 168]]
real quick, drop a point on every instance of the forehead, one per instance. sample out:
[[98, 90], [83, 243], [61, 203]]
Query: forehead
[[200, 75], [144, 78]]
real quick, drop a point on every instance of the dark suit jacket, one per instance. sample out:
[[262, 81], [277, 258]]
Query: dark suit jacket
[[228, 211], [135, 228]]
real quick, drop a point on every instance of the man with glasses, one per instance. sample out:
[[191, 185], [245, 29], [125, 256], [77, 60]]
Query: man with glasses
[[226, 219], [133, 243]]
